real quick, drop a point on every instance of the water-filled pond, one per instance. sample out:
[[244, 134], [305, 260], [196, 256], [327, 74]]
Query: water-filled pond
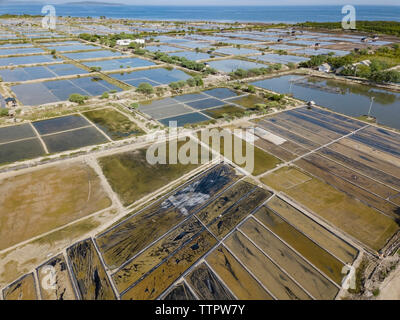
[[39, 72], [15, 61], [92, 54], [60, 90], [231, 65], [153, 76], [114, 64], [350, 99]]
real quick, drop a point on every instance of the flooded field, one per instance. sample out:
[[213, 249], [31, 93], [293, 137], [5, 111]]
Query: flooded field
[[12, 133], [230, 65], [41, 200], [20, 150], [71, 47], [115, 64], [60, 90], [92, 54], [350, 99], [236, 51], [279, 58], [190, 55], [185, 119], [55, 125], [155, 77], [71, 140], [19, 61], [60, 134], [39, 72], [190, 108]]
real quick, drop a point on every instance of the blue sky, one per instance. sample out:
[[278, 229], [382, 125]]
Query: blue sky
[[237, 2]]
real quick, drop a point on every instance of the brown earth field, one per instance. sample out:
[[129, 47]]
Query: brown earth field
[[38, 201]]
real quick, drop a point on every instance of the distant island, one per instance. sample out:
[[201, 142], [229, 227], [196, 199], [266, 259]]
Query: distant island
[[93, 3]]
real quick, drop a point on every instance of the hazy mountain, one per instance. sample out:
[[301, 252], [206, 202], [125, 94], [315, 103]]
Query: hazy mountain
[[93, 3]]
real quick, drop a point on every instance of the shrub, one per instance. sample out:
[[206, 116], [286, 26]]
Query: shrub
[[237, 86], [95, 69], [177, 85], [140, 51], [135, 105], [191, 82], [199, 81], [105, 95], [251, 89], [145, 88], [78, 98], [276, 97]]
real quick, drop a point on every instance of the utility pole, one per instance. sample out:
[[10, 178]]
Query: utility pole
[[370, 107], [291, 83]]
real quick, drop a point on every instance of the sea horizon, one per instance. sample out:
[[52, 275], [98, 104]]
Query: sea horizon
[[256, 14]]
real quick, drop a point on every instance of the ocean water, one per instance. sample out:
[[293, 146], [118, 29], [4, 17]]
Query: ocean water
[[271, 14]]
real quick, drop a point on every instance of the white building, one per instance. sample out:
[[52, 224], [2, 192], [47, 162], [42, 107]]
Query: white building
[[325, 68], [127, 42]]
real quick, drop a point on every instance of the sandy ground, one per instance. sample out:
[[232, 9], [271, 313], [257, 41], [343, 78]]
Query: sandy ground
[[390, 288]]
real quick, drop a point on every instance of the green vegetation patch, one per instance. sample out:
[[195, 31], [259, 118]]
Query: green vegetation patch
[[249, 102], [132, 177], [384, 27], [113, 123], [225, 111]]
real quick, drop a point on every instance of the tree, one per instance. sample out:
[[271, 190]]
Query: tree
[[105, 95], [199, 81], [251, 89], [95, 69], [145, 88], [191, 82], [78, 98]]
